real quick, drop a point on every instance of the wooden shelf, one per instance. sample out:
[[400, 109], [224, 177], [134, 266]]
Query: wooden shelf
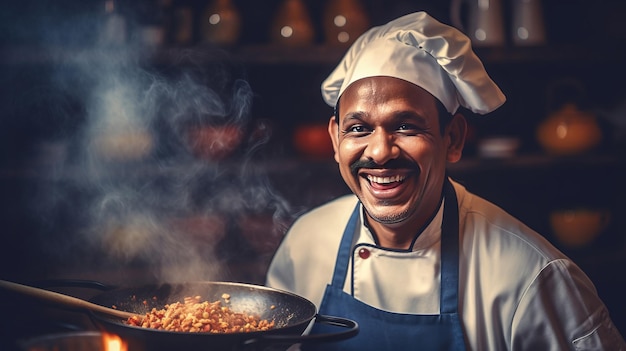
[[274, 55], [537, 161]]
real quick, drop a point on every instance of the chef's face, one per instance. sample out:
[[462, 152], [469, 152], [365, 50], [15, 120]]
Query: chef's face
[[391, 151]]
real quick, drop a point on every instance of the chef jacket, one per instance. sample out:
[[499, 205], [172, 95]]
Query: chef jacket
[[516, 290]]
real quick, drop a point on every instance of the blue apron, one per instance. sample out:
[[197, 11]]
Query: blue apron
[[383, 330]]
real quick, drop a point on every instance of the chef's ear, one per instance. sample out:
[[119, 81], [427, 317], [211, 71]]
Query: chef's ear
[[455, 137], [333, 131]]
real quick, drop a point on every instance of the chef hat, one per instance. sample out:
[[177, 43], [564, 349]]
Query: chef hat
[[419, 49]]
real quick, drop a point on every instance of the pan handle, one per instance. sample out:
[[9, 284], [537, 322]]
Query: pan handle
[[352, 329]]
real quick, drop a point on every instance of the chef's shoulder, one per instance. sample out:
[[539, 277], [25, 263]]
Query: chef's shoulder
[[325, 220], [315, 235], [304, 261], [497, 247], [536, 289], [484, 223]]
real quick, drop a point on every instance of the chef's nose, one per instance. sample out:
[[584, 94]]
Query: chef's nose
[[382, 147]]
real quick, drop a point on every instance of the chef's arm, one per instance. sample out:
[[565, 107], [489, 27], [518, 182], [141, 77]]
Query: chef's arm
[[561, 310]]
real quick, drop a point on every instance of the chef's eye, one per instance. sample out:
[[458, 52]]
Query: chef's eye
[[408, 128], [357, 128]]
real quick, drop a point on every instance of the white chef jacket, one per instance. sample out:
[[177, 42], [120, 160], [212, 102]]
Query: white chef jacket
[[516, 290]]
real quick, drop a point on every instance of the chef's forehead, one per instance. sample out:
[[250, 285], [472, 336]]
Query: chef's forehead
[[385, 80], [382, 84]]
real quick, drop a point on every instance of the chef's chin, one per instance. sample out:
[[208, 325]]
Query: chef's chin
[[389, 218]]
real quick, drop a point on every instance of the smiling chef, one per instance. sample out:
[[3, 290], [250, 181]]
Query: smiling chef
[[412, 256]]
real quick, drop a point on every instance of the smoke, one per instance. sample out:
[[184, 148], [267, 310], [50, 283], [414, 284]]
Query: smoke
[[151, 177]]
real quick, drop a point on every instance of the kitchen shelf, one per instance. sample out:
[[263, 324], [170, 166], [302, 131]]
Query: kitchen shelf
[[261, 54], [537, 162]]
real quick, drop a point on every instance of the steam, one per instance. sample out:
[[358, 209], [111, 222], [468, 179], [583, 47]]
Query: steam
[[138, 192]]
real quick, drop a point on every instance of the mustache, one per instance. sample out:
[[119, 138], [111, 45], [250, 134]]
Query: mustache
[[391, 164]]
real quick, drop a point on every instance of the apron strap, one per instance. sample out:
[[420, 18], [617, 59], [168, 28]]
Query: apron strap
[[449, 299], [343, 255]]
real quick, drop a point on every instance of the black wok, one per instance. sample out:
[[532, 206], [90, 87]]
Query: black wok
[[291, 314]]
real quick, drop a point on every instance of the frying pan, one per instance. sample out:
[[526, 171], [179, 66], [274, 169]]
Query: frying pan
[[291, 314]]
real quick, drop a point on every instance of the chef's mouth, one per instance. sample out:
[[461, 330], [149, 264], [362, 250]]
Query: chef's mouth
[[385, 180]]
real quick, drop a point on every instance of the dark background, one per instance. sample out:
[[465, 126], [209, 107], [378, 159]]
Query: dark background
[[43, 107]]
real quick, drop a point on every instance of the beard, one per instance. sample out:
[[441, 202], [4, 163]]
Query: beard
[[391, 218]]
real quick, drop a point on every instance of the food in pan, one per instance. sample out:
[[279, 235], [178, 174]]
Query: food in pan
[[196, 316]]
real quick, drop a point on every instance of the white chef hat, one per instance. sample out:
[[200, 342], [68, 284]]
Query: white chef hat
[[421, 50]]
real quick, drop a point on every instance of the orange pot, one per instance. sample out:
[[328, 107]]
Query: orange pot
[[344, 21], [215, 142], [312, 140], [578, 227], [569, 131], [292, 25]]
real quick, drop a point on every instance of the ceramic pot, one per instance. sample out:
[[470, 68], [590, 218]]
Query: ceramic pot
[[344, 21], [484, 24], [578, 227], [128, 145], [221, 23], [215, 142], [528, 27], [312, 141], [292, 25], [569, 131]]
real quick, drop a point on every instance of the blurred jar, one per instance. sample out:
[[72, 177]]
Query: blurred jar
[[344, 21], [569, 131], [528, 24], [182, 32], [578, 227], [119, 144], [569, 128], [221, 23], [113, 30], [153, 22], [292, 25], [312, 140], [214, 142], [481, 20]]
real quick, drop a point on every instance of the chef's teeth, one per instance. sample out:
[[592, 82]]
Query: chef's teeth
[[385, 180]]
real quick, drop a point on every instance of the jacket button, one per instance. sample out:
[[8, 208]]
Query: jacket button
[[364, 253]]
